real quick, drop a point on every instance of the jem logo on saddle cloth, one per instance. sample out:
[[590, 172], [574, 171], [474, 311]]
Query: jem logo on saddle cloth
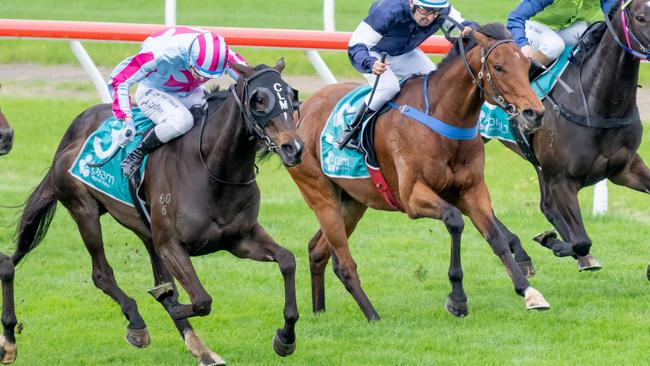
[[97, 174]]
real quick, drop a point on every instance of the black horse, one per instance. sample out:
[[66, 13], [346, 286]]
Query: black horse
[[593, 133], [211, 202], [6, 135]]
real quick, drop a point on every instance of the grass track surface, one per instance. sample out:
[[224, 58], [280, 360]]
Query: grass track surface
[[601, 317], [304, 14]]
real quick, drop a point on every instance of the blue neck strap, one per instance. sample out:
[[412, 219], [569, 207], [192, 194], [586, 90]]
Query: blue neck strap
[[445, 129]]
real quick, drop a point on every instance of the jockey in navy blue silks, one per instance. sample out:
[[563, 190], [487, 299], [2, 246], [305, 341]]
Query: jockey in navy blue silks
[[397, 28]]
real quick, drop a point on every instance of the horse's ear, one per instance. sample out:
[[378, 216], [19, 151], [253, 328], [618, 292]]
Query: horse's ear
[[481, 38], [242, 70], [279, 66]]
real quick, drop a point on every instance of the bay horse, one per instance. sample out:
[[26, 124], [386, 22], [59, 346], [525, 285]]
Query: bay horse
[[588, 137], [211, 203], [430, 175]]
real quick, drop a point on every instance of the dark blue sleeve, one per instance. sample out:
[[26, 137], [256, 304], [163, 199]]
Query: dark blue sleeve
[[518, 17], [379, 19], [360, 58], [607, 5]]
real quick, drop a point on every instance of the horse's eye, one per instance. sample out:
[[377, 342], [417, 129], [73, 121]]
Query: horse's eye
[[640, 18], [498, 68]]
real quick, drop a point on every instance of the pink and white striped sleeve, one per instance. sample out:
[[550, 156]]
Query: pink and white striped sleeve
[[125, 75], [234, 58]]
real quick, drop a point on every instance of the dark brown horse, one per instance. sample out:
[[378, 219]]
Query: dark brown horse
[[211, 202], [574, 155], [6, 135], [431, 176], [7, 342]]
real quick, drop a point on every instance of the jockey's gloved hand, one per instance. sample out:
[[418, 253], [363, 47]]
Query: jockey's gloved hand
[[127, 133]]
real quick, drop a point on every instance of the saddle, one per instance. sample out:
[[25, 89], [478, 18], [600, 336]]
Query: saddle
[[588, 43]]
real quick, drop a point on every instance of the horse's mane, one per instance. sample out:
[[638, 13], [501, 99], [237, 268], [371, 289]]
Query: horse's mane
[[495, 31]]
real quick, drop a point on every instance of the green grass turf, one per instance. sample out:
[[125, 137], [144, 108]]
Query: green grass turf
[[596, 318], [305, 14]]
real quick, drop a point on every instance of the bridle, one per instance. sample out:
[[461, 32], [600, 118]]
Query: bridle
[[255, 120], [484, 74], [630, 35]]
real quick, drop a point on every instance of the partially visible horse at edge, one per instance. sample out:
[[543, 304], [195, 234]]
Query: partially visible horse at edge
[[209, 177], [603, 143], [6, 267], [430, 175]]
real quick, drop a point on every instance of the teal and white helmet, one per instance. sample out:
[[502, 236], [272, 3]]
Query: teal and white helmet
[[431, 4]]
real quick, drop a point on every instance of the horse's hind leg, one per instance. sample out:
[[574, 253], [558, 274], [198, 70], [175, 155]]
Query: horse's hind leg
[[260, 246], [320, 251], [636, 175], [86, 215], [8, 340], [521, 257], [319, 255]]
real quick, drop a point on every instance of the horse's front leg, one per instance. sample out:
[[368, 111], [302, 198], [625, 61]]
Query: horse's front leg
[[562, 195], [177, 261], [521, 257], [423, 202], [476, 204], [259, 246]]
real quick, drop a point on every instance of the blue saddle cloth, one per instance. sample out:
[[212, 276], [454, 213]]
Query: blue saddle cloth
[[98, 162], [493, 121], [343, 163]]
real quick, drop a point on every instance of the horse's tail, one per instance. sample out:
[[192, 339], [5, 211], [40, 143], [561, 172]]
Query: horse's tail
[[36, 218]]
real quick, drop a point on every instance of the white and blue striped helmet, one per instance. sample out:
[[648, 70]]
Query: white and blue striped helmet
[[431, 4]]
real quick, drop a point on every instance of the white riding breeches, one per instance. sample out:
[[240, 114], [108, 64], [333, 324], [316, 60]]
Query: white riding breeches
[[553, 42], [402, 66], [170, 113]]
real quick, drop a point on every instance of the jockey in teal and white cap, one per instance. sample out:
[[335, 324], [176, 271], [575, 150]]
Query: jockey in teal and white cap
[[396, 28]]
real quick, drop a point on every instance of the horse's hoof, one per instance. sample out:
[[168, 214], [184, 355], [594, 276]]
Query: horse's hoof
[[588, 263], [456, 308], [534, 300], [527, 268], [545, 236], [211, 359], [648, 272], [138, 337], [281, 348], [7, 351]]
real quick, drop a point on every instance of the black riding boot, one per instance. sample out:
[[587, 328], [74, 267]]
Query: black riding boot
[[351, 131], [132, 162]]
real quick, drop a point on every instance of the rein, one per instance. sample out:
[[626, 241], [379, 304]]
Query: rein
[[599, 122]]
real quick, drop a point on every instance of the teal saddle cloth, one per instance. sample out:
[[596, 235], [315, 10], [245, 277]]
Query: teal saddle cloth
[[343, 163], [98, 162], [493, 121]]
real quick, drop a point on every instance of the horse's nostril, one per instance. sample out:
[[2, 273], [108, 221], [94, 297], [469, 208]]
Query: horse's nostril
[[288, 149], [528, 113]]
